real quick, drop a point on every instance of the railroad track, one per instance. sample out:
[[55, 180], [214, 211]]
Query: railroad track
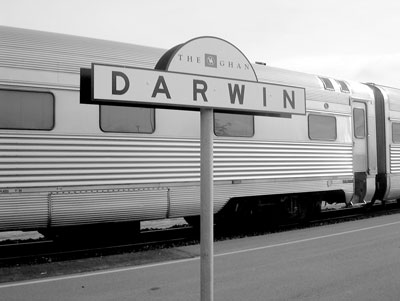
[[44, 251]]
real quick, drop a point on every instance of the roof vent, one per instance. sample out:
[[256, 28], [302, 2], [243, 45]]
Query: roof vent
[[327, 83], [343, 86]]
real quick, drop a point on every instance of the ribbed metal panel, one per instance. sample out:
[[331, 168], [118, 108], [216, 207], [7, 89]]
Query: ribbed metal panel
[[87, 207], [185, 201], [262, 160], [23, 211], [28, 49], [393, 191], [48, 161], [394, 158]]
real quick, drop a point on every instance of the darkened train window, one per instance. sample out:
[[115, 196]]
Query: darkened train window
[[359, 123], [127, 119], [396, 132], [26, 110], [233, 125], [327, 83], [322, 127]]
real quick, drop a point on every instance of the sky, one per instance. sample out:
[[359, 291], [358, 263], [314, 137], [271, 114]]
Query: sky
[[345, 39]]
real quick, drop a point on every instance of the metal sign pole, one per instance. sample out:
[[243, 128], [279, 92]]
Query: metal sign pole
[[206, 206]]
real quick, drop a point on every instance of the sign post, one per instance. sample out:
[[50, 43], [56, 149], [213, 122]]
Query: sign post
[[206, 206], [204, 74]]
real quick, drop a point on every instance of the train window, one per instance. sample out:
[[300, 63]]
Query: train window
[[322, 127], [359, 123], [327, 83], [26, 110], [343, 86], [119, 119], [396, 132], [233, 125]]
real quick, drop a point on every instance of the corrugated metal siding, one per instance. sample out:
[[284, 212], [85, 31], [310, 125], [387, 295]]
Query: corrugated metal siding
[[262, 160], [395, 158], [87, 207], [393, 191], [28, 49], [48, 162], [185, 201], [23, 211], [42, 161]]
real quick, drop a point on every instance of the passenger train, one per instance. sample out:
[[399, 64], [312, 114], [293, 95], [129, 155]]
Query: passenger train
[[64, 164]]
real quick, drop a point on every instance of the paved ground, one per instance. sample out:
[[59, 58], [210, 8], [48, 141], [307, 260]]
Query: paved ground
[[349, 261]]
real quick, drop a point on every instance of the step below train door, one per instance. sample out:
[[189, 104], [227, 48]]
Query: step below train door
[[360, 151]]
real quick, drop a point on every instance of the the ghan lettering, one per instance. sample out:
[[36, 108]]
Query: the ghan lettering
[[217, 62]]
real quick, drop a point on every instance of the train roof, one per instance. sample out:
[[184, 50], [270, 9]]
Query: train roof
[[40, 50], [54, 52]]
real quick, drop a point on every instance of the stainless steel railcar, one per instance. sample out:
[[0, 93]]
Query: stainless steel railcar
[[63, 163]]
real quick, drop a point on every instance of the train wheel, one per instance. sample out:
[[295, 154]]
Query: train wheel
[[301, 208]]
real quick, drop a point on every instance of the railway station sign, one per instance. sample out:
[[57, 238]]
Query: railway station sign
[[203, 73], [182, 90]]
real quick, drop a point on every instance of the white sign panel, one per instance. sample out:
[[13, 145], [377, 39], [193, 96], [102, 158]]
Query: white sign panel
[[161, 88]]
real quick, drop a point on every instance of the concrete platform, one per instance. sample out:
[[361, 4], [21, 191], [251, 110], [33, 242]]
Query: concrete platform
[[356, 260]]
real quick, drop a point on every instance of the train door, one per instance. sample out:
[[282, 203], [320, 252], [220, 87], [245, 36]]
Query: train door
[[360, 151]]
